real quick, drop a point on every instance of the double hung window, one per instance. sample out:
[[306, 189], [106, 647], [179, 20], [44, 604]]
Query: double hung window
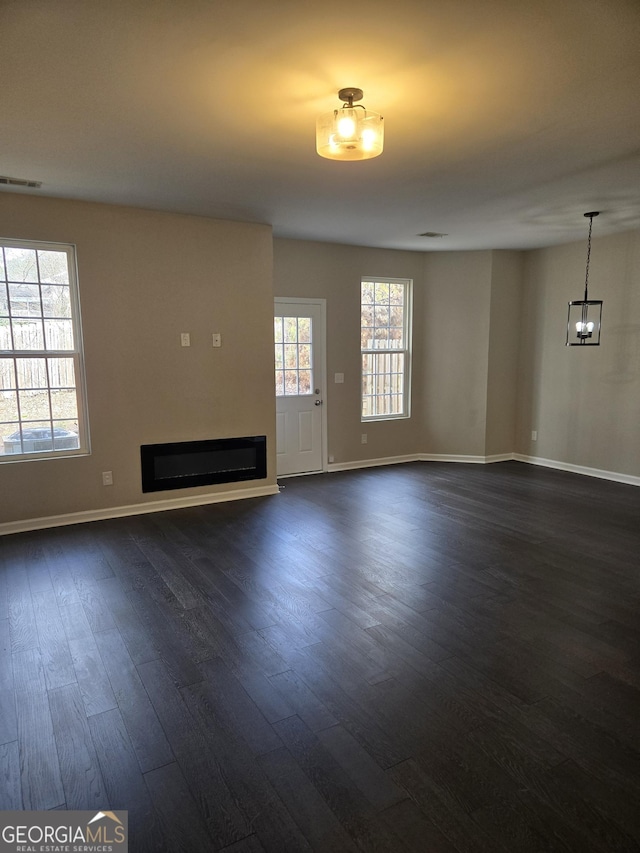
[[385, 343], [42, 406]]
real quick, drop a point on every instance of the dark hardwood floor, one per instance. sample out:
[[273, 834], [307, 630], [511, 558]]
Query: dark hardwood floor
[[425, 657]]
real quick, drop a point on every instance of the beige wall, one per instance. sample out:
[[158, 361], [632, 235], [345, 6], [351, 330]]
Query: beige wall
[[333, 272], [144, 278], [463, 392], [454, 326], [583, 401], [504, 342]]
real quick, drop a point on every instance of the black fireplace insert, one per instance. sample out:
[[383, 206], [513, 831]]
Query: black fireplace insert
[[181, 465]]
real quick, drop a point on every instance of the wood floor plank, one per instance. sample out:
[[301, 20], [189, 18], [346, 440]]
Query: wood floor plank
[[95, 607], [126, 560], [85, 558], [244, 657], [8, 721], [53, 643], [303, 701], [240, 711], [64, 587], [373, 782], [165, 558], [415, 831], [10, 791], [79, 769], [441, 809], [195, 751], [39, 764], [337, 787], [251, 844], [596, 748], [4, 598], [358, 716], [167, 636], [22, 623], [146, 734], [245, 776], [137, 639], [180, 822], [317, 823], [91, 675], [353, 810], [605, 810], [124, 781]]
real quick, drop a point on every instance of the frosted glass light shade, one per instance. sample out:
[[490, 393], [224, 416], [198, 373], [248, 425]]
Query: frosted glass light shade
[[350, 133]]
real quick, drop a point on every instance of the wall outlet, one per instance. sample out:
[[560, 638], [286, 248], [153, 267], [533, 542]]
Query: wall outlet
[[363, 438], [331, 459], [185, 339], [217, 339], [107, 478], [534, 435], [338, 378]]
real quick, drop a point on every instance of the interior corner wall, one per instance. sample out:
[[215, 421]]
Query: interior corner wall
[[584, 402], [504, 342], [144, 278], [454, 326]]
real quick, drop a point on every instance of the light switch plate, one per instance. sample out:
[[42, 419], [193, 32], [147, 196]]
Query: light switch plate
[[217, 339], [185, 339]]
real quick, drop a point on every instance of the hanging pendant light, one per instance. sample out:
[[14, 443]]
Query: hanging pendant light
[[583, 321], [350, 133]]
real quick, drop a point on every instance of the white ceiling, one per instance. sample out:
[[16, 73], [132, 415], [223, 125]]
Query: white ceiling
[[505, 120]]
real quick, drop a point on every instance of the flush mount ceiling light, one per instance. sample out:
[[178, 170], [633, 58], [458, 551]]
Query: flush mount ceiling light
[[351, 132], [583, 321]]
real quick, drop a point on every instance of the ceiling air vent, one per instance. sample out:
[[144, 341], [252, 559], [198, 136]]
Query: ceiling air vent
[[20, 182], [432, 234]]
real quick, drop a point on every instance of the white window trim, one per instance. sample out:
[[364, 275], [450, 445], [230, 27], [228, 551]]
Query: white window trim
[[408, 327], [84, 448]]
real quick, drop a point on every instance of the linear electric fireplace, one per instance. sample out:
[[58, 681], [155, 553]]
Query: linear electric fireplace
[[183, 464]]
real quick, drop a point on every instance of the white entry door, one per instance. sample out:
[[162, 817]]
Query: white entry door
[[299, 343]]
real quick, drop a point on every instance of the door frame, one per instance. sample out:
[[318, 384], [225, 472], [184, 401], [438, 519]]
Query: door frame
[[322, 304]]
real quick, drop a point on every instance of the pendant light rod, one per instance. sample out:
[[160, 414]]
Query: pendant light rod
[[586, 279]]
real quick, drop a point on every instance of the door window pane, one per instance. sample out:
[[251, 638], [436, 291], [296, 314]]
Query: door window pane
[[294, 370]]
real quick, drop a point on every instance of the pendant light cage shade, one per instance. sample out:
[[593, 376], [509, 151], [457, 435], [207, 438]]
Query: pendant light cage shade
[[583, 323], [585, 315], [351, 132]]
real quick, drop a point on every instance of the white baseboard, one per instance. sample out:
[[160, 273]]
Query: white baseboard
[[476, 460], [614, 476], [133, 509], [417, 457], [371, 463]]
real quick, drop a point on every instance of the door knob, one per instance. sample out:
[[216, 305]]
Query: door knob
[[318, 402]]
